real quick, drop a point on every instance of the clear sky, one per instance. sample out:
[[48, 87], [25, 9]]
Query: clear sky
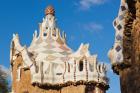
[[87, 21]]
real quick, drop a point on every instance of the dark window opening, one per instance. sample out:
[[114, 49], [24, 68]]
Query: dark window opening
[[81, 65], [45, 34], [58, 73], [68, 67]]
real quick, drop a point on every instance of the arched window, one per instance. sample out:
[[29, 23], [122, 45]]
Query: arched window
[[68, 67], [81, 65]]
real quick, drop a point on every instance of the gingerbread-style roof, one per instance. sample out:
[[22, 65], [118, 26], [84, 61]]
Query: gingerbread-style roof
[[52, 62]]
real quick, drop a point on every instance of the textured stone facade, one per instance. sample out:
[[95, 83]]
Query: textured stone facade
[[129, 69], [130, 77], [25, 86]]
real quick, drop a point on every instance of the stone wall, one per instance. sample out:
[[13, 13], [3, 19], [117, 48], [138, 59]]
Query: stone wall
[[24, 84], [130, 77]]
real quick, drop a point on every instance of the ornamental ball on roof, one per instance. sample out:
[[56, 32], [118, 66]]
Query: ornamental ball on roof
[[50, 10]]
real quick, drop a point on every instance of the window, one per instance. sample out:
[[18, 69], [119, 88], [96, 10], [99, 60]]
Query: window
[[68, 67], [81, 65], [45, 34]]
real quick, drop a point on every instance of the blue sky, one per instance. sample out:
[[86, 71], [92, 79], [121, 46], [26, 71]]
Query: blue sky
[[87, 21]]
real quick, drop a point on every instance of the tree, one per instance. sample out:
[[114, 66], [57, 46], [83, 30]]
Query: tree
[[3, 81]]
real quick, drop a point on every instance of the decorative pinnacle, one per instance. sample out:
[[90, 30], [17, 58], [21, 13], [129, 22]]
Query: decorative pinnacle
[[50, 10]]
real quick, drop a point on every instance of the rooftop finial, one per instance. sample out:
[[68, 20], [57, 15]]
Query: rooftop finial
[[50, 10]]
